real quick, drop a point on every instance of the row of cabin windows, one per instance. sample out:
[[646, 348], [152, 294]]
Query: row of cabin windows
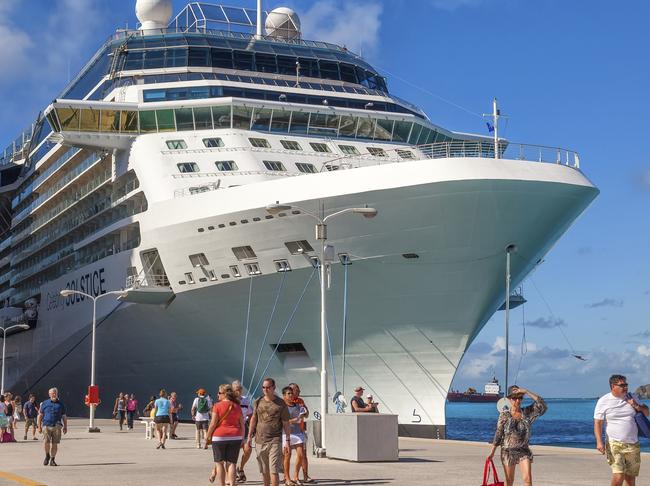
[[231, 165], [215, 142]]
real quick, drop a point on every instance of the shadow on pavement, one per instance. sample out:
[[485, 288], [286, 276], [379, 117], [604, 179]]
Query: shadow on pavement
[[97, 464]]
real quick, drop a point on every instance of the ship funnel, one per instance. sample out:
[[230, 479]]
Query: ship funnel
[[283, 23], [153, 14]]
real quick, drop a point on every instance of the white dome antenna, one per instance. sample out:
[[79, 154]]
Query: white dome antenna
[[283, 23], [153, 14]]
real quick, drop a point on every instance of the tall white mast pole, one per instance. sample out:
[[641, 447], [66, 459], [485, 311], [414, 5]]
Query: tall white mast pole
[[259, 19], [495, 118]]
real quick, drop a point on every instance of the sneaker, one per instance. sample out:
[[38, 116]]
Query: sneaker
[[162, 445], [25, 438], [52, 463], [159, 445], [47, 460], [34, 438]]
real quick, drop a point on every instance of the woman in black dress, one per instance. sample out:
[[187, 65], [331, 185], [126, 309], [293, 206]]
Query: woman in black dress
[[513, 434]]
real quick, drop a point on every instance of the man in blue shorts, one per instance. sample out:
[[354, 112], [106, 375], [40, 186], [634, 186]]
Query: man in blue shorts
[[30, 409], [51, 415]]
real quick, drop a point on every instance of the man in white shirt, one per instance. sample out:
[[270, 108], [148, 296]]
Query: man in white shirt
[[618, 409], [201, 408]]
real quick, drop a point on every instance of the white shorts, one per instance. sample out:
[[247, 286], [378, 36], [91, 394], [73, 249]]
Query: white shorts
[[296, 439]]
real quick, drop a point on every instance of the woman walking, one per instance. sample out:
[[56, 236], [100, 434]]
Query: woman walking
[[119, 409], [162, 418], [176, 407], [131, 410], [513, 434], [296, 439], [4, 421], [226, 433]]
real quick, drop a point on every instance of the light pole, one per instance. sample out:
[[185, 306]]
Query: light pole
[[4, 346], [67, 293], [321, 234]]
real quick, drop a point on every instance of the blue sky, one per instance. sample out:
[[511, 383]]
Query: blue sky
[[569, 74]]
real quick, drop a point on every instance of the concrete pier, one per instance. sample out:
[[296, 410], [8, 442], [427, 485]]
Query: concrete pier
[[113, 457]]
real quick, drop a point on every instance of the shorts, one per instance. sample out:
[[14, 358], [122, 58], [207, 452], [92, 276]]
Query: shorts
[[30, 422], [296, 439], [202, 424], [161, 419], [52, 434], [174, 418], [623, 458], [269, 456], [226, 450]]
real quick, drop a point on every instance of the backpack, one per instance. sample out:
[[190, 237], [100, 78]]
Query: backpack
[[202, 406]]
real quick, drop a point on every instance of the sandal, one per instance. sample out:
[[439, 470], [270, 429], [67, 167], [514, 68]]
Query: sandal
[[213, 476], [289, 482], [241, 476], [308, 480]]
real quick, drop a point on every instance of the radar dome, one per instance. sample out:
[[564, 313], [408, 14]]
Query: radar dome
[[153, 14], [283, 23]]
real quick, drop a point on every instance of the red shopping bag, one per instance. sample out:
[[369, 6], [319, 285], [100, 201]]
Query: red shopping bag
[[490, 467]]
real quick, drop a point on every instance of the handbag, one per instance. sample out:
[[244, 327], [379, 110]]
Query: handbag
[[642, 422], [208, 440], [490, 467]]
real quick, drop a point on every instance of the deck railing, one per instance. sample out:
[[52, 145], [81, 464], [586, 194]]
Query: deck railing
[[516, 151]]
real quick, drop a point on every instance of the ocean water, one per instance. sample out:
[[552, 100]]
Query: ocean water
[[568, 423]]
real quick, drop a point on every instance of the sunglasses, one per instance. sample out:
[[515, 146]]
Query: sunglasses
[[622, 385], [267, 388]]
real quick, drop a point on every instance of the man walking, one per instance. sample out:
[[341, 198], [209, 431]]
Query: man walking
[[51, 415], [270, 418], [622, 447], [30, 410], [201, 415]]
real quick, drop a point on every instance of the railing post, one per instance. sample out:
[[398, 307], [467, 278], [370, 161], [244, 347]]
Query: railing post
[[559, 156]]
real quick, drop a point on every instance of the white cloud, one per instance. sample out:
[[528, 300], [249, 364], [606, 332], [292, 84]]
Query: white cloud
[[14, 55], [643, 350], [353, 25]]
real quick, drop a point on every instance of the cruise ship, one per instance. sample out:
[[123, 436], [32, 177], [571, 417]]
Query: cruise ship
[[185, 167]]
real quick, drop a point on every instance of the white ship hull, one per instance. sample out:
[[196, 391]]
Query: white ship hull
[[409, 320]]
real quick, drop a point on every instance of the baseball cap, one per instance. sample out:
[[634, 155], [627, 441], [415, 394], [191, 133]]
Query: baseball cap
[[359, 388]]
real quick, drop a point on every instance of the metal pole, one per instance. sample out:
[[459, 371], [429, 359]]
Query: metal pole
[[259, 19], [4, 342], [495, 114], [509, 249], [91, 425], [323, 342]]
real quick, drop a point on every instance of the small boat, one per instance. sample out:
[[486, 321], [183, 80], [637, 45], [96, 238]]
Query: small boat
[[492, 393]]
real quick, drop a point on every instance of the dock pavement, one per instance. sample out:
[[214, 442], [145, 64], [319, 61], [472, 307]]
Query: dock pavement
[[114, 457]]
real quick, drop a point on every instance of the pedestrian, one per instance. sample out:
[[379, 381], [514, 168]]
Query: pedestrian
[[119, 409], [18, 409], [513, 434], [226, 433], [296, 438], [11, 408], [148, 408], [30, 409], [162, 418], [618, 408], [358, 405], [247, 411], [52, 417], [305, 413], [131, 410], [270, 418], [176, 407], [4, 421], [201, 415]]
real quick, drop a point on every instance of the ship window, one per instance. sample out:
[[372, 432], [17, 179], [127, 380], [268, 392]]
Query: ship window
[[199, 260], [109, 121], [320, 147], [213, 142], [69, 118], [182, 282], [290, 145], [384, 130], [261, 119], [212, 275], [188, 167], [203, 118], [226, 165], [148, 122], [221, 116], [253, 269], [274, 165], [306, 168], [299, 122], [184, 119], [243, 252], [377, 152], [165, 120], [280, 121], [348, 127], [259, 142], [189, 277], [89, 120], [365, 127], [405, 154], [129, 122], [176, 144], [349, 149], [289, 347], [298, 247], [198, 190], [234, 269], [282, 266], [401, 131], [241, 117]]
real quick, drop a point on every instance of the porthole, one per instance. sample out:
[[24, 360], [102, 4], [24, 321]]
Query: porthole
[[201, 230], [203, 279], [210, 228], [182, 282]]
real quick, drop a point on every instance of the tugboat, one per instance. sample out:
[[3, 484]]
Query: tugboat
[[492, 393]]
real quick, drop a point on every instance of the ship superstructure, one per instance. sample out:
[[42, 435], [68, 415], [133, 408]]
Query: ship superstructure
[[152, 171]]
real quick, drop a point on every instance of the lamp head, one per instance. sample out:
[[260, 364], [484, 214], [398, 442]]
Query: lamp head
[[66, 292], [23, 326], [277, 208], [366, 212]]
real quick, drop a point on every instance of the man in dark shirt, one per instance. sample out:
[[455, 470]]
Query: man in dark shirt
[[30, 409], [52, 415], [358, 405], [270, 418]]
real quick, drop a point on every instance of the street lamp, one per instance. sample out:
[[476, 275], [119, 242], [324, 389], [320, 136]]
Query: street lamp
[[4, 342], [321, 234], [67, 293]]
